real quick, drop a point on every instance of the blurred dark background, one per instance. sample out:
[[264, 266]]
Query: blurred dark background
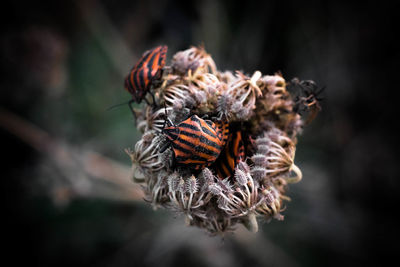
[[62, 66]]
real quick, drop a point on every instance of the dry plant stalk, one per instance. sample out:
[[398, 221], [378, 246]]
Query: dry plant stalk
[[254, 166]]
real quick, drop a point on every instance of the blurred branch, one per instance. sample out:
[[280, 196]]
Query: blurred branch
[[77, 165]]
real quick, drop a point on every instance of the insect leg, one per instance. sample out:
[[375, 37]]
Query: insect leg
[[163, 147], [154, 100], [147, 101]]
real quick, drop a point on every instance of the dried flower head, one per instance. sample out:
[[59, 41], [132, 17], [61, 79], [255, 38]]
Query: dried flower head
[[218, 147], [191, 60]]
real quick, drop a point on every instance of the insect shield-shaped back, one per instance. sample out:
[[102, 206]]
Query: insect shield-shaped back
[[196, 143], [233, 153], [147, 70]]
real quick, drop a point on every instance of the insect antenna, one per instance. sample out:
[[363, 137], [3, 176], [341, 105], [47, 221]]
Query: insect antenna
[[117, 105], [130, 102]]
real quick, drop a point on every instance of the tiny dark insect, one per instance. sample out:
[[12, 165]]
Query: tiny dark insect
[[308, 99], [197, 143], [233, 152], [147, 70]]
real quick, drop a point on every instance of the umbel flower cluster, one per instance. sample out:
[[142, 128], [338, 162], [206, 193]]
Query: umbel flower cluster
[[243, 176]]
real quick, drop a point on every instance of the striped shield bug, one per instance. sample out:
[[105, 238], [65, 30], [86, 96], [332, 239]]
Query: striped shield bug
[[233, 152], [147, 70], [197, 143]]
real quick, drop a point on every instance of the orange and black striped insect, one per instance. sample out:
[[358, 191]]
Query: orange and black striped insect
[[233, 152], [147, 70], [197, 143]]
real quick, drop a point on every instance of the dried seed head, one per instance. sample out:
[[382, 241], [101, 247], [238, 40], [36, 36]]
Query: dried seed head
[[244, 114], [183, 67], [208, 176], [192, 85], [240, 177], [191, 185], [274, 134], [174, 93], [225, 185], [296, 125], [162, 178], [258, 173], [227, 77], [184, 61], [173, 182], [274, 83], [166, 157], [215, 189], [236, 107], [262, 149], [222, 202], [190, 102], [181, 186], [179, 115], [213, 89], [263, 141], [260, 160], [158, 140], [178, 105], [274, 192], [200, 96], [224, 105], [269, 197], [243, 167], [148, 136]]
